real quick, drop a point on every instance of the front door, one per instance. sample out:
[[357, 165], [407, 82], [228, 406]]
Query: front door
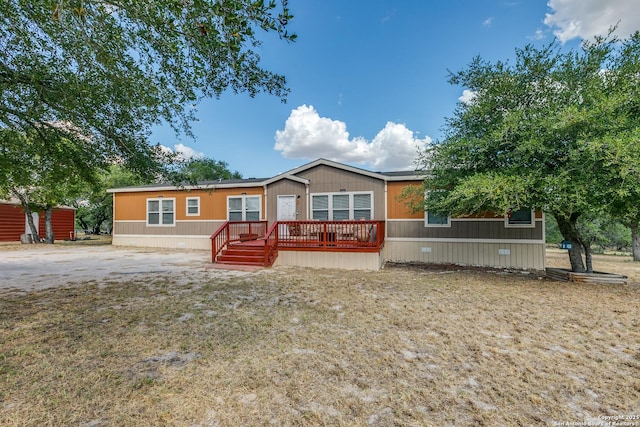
[[287, 208], [286, 212]]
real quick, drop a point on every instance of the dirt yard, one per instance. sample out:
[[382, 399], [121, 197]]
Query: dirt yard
[[406, 346]]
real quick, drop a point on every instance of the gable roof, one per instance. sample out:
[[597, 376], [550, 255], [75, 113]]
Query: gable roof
[[291, 175]]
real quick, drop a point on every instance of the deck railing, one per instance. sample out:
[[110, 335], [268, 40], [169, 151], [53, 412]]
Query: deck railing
[[331, 235], [235, 231]]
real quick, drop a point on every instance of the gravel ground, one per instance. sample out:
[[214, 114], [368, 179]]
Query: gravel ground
[[28, 269]]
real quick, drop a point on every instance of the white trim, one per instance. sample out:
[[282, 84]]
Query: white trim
[[428, 225], [203, 187], [464, 240], [201, 220], [286, 175], [336, 165], [177, 221], [497, 219], [351, 205], [197, 198], [295, 206], [244, 205], [532, 224], [160, 200]]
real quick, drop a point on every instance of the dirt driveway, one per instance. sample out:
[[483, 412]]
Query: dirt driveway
[[46, 266]]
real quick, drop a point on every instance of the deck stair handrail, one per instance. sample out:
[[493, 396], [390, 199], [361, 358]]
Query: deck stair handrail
[[219, 240], [271, 244], [235, 231]]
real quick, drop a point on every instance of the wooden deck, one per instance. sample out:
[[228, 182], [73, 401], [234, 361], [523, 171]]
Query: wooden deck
[[247, 243]]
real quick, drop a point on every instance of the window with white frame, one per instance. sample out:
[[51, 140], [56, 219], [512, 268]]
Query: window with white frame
[[435, 219], [161, 212], [244, 208], [342, 206], [520, 218], [193, 206]]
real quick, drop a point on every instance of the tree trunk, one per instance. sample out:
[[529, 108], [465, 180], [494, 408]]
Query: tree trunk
[[635, 241], [567, 227], [50, 238], [587, 256], [83, 223], [32, 225], [27, 210]]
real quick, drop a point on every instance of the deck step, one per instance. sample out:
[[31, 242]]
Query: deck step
[[242, 254]]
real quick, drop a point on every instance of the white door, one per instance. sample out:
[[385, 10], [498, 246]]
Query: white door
[[287, 208], [286, 212]]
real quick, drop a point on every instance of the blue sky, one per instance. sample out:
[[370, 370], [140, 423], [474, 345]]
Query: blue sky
[[368, 78]]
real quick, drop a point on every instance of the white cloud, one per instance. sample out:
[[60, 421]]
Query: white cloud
[[467, 96], [588, 18], [306, 135], [184, 152], [487, 22]]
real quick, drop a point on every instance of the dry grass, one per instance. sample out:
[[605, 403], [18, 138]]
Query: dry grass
[[287, 347]]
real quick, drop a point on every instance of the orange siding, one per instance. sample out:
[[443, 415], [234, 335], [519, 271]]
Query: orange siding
[[396, 207], [213, 204]]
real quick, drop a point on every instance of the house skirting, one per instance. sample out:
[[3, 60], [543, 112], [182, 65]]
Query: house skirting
[[343, 260], [516, 254], [162, 241]]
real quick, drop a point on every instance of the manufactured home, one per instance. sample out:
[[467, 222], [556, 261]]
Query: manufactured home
[[322, 214]]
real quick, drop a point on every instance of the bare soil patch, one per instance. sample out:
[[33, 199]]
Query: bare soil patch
[[403, 346]]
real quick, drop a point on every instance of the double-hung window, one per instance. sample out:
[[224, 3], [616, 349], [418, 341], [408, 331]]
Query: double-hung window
[[244, 208], [193, 206], [342, 206], [161, 212]]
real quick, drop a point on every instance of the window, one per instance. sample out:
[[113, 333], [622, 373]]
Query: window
[[193, 206], [244, 208], [160, 211], [342, 206], [520, 218], [435, 219]]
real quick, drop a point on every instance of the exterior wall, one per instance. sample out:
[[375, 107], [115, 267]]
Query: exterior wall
[[396, 207], [478, 240], [213, 204], [467, 228], [163, 241], [342, 260], [191, 232], [530, 256], [12, 222], [468, 241], [326, 179], [63, 222], [286, 187]]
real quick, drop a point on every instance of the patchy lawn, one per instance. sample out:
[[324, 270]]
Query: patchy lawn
[[404, 346]]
